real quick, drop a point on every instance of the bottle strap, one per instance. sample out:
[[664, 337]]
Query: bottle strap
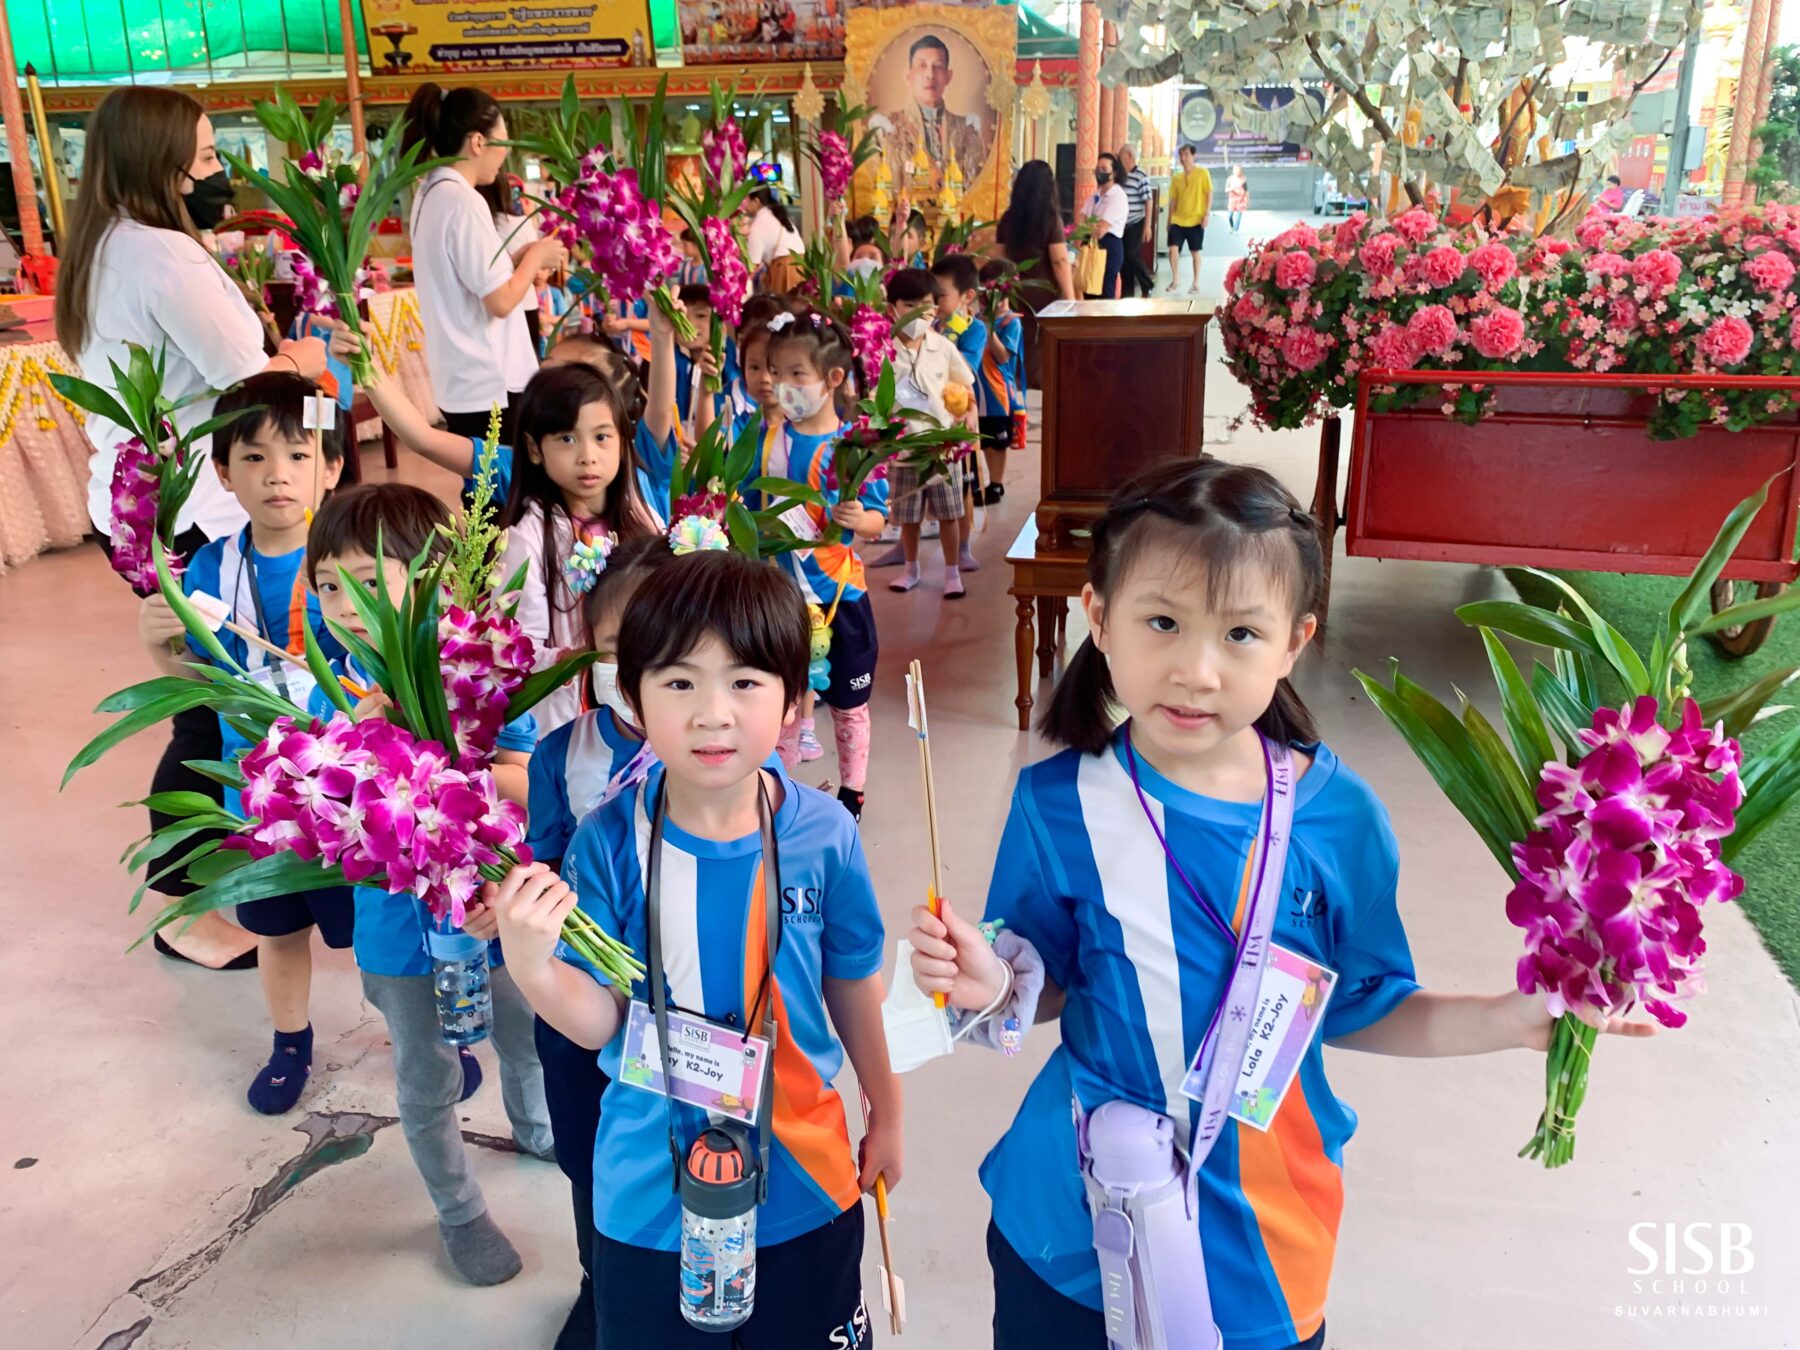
[[765, 996]]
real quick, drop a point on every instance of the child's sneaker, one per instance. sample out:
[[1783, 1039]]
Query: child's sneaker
[[853, 802], [277, 1088], [810, 749]]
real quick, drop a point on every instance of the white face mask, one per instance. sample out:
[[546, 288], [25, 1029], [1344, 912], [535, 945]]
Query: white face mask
[[605, 676], [863, 267], [915, 329], [801, 401]]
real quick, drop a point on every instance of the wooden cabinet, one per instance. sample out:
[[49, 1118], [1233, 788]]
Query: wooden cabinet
[[1124, 387]]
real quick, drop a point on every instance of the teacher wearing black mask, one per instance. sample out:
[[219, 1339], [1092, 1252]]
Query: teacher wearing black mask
[[134, 271]]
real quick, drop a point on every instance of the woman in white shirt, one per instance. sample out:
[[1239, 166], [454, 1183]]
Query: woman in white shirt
[[518, 233], [134, 271], [471, 294], [1109, 205], [772, 233]]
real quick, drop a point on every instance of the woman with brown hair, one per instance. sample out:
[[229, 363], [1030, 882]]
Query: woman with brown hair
[[135, 271]]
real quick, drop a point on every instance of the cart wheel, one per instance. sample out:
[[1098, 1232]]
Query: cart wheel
[[1744, 638]]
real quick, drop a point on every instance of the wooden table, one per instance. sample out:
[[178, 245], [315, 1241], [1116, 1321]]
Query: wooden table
[[1048, 570]]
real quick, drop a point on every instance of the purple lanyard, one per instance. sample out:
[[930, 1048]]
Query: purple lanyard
[[1169, 853]]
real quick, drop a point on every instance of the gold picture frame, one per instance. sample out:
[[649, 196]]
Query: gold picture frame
[[993, 31]]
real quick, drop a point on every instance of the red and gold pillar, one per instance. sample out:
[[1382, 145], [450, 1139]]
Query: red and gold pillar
[[1765, 86], [12, 112], [1749, 92], [359, 141], [1087, 104]]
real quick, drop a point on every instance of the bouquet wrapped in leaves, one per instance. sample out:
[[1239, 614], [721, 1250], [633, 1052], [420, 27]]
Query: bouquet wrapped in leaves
[[405, 801], [333, 204], [157, 467], [1616, 818]]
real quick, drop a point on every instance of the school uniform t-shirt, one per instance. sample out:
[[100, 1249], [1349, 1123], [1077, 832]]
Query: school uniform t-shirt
[[971, 343], [713, 937], [1081, 876], [1002, 382], [230, 569], [389, 936], [475, 359], [834, 565], [569, 770]]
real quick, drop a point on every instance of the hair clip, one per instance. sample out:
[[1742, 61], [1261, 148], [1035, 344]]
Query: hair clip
[[779, 322], [817, 319]]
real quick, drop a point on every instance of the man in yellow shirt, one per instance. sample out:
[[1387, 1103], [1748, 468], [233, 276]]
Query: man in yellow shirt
[[1190, 202]]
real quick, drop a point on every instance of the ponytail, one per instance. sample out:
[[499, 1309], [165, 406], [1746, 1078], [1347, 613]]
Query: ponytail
[[768, 198], [1083, 706], [443, 121], [1287, 720]]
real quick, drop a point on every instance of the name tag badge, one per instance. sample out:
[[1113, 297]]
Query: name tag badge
[[800, 520], [1290, 1010], [715, 1067]]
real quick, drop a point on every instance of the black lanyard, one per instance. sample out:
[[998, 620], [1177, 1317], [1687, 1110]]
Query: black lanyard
[[659, 994], [247, 568]]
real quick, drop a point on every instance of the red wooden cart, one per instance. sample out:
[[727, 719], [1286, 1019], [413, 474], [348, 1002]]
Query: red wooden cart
[[1561, 473]]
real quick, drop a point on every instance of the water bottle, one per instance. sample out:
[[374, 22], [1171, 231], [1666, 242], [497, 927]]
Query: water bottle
[[459, 974], [718, 1230]]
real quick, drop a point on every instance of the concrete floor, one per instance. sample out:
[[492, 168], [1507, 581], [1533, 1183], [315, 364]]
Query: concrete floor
[[147, 1206]]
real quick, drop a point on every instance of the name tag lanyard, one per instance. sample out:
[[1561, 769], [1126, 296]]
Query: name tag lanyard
[[764, 1001], [1222, 1048], [297, 614]]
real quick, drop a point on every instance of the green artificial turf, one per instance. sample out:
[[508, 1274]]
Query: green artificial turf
[[1638, 606]]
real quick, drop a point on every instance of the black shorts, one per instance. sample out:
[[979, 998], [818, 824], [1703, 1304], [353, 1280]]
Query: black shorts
[[854, 651], [808, 1295], [1191, 235], [996, 432], [333, 910], [572, 1087], [1031, 1315]]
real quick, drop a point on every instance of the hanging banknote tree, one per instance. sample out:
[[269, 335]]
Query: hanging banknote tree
[[1421, 96]]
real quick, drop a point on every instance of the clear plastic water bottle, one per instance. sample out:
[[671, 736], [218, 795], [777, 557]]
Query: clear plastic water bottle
[[718, 1230], [459, 974]]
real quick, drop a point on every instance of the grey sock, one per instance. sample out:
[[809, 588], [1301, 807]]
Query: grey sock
[[480, 1251]]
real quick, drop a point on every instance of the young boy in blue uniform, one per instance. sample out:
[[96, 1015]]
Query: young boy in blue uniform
[[268, 460], [1000, 386], [713, 656], [390, 930]]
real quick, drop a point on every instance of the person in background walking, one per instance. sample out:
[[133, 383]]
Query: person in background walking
[[1237, 196], [1190, 202], [1135, 277], [1108, 205]]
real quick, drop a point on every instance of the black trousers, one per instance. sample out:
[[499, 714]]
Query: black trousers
[[1134, 274], [1030, 1315], [808, 1295], [194, 734], [475, 424]]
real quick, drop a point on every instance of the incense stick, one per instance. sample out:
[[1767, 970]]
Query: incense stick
[[893, 1288], [916, 678]]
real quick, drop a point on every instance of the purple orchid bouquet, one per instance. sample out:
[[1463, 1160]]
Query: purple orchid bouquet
[[1616, 842], [405, 801], [838, 156], [157, 467]]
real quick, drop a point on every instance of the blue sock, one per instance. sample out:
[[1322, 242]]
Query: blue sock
[[471, 1073], [278, 1087]]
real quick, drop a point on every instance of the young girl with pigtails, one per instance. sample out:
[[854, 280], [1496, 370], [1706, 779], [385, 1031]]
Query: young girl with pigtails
[[1203, 895], [810, 357]]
